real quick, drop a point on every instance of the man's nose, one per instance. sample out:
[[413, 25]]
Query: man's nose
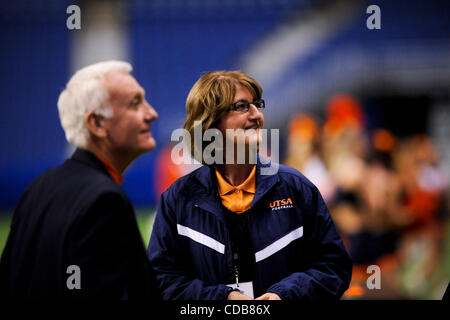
[[150, 112]]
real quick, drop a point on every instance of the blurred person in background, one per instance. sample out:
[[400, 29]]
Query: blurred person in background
[[387, 200], [304, 154], [167, 171], [76, 216], [363, 181], [226, 231], [422, 243], [366, 206]]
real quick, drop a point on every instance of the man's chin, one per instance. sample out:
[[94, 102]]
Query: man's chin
[[149, 145]]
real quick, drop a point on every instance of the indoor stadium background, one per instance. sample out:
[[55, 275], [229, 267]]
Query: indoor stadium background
[[355, 107]]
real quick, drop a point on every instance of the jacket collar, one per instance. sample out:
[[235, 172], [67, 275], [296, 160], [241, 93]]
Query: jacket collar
[[88, 158], [112, 171], [206, 196]]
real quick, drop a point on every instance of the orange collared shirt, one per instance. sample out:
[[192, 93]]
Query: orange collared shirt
[[113, 172], [237, 198]]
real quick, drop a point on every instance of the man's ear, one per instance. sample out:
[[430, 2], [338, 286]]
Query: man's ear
[[95, 124]]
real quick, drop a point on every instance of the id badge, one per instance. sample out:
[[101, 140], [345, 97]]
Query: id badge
[[244, 288]]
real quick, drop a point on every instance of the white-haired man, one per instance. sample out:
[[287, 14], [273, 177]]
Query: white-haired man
[[74, 233]]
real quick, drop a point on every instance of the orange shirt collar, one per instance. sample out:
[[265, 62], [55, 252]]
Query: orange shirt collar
[[249, 185], [113, 172]]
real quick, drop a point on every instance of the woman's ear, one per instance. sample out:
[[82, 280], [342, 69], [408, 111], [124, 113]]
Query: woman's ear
[[95, 124]]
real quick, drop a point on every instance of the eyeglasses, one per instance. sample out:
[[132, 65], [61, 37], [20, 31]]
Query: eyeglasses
[[244, 106]]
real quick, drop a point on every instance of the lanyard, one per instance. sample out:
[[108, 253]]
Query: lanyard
[[236, 269]]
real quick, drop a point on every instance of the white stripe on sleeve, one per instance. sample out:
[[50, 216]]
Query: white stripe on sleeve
[[201, 238], [279, 244]]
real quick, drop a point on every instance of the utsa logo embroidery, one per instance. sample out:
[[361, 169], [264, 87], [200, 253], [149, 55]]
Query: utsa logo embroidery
[[281, 204]]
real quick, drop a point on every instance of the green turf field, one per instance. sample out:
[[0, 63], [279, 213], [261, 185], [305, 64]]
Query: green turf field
[[5, 219]]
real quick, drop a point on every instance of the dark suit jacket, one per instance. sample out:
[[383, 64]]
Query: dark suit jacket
[[75, 214]]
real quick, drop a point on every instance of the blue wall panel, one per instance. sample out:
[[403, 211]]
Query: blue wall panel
[[33, 68]]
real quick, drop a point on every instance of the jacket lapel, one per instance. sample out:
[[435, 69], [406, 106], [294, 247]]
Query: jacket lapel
[[263, 182], [203, 191]]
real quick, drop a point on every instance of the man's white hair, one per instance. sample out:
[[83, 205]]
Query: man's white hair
[[86, 91]]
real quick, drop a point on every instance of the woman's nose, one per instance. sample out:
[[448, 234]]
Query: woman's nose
[[254, 112]]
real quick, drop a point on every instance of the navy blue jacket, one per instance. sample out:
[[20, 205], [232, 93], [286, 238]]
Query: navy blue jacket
[[299, 254]]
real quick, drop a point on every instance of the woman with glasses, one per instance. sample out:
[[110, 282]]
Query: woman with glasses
[[229, 231]]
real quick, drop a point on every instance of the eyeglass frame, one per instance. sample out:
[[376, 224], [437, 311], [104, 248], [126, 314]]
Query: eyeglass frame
[[260, 102]]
